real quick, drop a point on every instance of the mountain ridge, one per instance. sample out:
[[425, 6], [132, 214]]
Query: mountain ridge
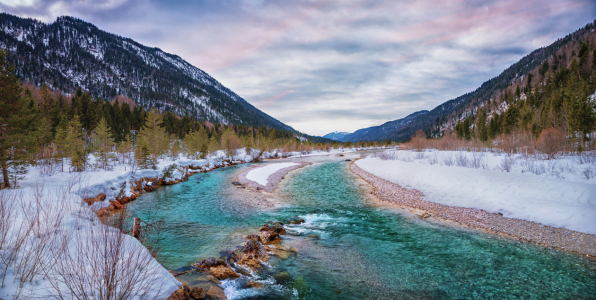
[[70, 53], [444, 116]]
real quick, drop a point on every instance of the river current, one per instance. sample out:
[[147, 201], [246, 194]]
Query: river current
[[350, 248]]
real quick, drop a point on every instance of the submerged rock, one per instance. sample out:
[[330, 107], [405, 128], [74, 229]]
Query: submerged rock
[[283, 277], [297, 221], [215, 293], [253, 284], [281, 252]]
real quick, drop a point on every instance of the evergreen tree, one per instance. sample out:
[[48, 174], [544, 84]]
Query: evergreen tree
[[154, 133], [103, 142], [16, 139], [76, 145], [143, 154], [60, 140]]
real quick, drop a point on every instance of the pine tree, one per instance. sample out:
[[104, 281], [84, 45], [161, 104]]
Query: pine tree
[[143, 154], [154, 133], [482, 129], [103, 142], [16, 140], [76, 145], [60, 140], [213, 143]]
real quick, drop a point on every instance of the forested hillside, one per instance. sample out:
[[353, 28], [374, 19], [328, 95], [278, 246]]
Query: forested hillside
[[70, 53], [444, 117], [555, 100]]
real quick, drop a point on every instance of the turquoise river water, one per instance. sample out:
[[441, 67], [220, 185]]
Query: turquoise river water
[[349, 248]]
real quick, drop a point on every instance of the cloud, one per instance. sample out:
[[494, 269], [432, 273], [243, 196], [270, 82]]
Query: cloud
[[329, 65]]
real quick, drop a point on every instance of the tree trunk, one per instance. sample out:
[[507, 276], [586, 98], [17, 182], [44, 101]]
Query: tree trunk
[[136, 229], [5, 173]]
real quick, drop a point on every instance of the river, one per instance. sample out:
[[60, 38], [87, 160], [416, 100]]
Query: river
[[350, 248]]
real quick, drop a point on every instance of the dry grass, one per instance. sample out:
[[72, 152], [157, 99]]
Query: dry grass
[[552, 142]]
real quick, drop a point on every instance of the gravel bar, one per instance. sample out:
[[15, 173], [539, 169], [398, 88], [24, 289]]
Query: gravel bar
[[272, 180], [560, 238]]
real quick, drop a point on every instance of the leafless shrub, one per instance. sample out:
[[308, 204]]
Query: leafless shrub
[[385, 155], [589, 172], [448, 160], [506, 163], [406, 157], [12, 234], [586, 157], [477, 161], [461, 159], [100, 262], [420, 155], [532, 165], [551, 142], [433, 160], [554, 168]]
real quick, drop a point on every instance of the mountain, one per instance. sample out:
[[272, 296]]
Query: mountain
[[381, 132], [70, 53], [445, 116], [336, 135]]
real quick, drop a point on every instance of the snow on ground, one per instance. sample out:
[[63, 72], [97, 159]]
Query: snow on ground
[[560, 192], [261, 175], [54, 203]]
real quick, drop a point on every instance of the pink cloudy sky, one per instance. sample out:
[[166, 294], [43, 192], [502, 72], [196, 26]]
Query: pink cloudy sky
[[322, 66]]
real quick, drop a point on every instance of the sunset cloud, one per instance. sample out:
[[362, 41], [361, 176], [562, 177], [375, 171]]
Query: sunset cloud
[[321, 66]]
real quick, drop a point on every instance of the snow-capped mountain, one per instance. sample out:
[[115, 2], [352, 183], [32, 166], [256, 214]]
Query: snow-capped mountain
[[336, 135], [381, 132], [70, 53]]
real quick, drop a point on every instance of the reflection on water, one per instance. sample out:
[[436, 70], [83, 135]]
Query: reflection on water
[[348, 249]]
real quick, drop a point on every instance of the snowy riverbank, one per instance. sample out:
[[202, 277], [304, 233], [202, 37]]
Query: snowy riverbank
[[51, 232], [487, 194], [561, 196]]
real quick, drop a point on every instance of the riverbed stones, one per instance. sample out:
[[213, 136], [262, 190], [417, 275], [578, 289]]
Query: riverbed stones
[[296, 221], [253, 284], [217, 267], [283, 277], [98, 198], [280, 251], [215, 293], [187, 293], [271, 233]]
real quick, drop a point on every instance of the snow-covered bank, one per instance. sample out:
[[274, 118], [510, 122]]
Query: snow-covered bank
[[51, 233], [267, 176], [261, 175], [561, 196]]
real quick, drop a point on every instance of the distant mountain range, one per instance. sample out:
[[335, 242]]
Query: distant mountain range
[[444, 117], [336, 135], [70, 53]]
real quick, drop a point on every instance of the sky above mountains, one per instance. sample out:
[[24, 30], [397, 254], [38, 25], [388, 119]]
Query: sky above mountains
[[322, 66]]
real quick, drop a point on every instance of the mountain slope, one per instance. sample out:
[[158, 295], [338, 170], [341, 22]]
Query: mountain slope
[[71, 53], [381, 132], [446, 115], [336, 135]]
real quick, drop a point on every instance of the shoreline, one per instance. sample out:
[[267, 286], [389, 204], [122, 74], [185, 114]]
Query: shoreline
[[273, 180], [527, 231]]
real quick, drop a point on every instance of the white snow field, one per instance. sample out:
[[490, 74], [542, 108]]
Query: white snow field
[[261, 175], [559, 192]]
